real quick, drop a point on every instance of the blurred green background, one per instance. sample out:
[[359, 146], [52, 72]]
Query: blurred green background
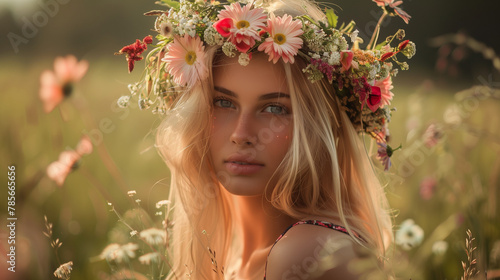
[[464, 164]]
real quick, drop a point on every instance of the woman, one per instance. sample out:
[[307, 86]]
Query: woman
[[269, 176]]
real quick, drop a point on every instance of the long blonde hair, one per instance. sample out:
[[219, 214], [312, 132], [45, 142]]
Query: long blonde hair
[[326, 171]]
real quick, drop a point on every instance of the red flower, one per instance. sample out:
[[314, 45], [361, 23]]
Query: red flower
[[224, 26], [403, 45], [374, 99], [133, 51], [386, 56]]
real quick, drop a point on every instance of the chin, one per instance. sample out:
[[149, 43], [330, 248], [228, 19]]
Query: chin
[[242, 190]]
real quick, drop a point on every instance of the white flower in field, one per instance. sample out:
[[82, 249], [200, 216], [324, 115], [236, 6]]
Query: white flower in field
[[115, 252], [129, 249], [439, 248], [64, 270], [409, 235], [109, 252], [131, 193], [133, 233], [153, 236], [149, 257], [162, 203]]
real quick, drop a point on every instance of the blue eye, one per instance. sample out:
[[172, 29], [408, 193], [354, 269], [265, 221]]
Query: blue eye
[[276, 109], [223, 103]]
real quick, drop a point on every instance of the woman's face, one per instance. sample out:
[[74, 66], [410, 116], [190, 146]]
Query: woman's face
[[252, 124]]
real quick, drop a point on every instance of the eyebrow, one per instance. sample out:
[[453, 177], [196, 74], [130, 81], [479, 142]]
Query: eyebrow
[[267, 96]]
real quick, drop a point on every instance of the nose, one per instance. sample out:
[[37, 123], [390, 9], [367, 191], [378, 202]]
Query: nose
[[243, 132]]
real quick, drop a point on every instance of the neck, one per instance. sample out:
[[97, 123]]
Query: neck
[[259, 224]]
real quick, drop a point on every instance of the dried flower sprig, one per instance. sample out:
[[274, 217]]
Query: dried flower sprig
[[470, 270], [64, 270], [55, 244], [213, 258]]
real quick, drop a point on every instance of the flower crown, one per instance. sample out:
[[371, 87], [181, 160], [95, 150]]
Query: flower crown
[[362, 79]]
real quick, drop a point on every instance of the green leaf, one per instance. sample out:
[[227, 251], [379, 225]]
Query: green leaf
[[332, 18], [379, 46], [169, 3]]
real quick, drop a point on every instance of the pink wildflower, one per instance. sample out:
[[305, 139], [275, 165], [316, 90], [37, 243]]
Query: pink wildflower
[[392, 9], [427, 187], [57, 85], [432, 135], [241, 25], [385, 86], [384, 154], [283, 41], [59, 170]]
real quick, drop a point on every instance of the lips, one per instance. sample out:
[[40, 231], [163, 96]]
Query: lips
[[240, 165]]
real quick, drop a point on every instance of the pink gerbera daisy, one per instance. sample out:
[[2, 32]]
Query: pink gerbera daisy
[[57, 85], [241, 25], [186, 60], [283, 40], [385, 86]]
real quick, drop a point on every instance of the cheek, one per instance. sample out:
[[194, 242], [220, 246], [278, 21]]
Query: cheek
[[278, 136], [218, 132]]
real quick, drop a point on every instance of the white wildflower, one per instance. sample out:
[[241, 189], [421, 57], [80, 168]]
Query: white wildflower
[[334, 58], [354, 35], [228, 48], [133, 233], [439, 248], [315, 55], [148, 258], [453, 115], [115, 252], [110, 252], [64, 270], [129, 249], [243, 59], [409, 235], [162, 203], [123, 101], [133, 88], [212, 37], [153, 236], [131, 193], [343, 44]]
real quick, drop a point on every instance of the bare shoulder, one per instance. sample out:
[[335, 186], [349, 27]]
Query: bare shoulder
[[312, 252]]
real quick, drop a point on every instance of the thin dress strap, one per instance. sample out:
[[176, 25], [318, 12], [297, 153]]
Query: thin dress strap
[[315, 223]]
